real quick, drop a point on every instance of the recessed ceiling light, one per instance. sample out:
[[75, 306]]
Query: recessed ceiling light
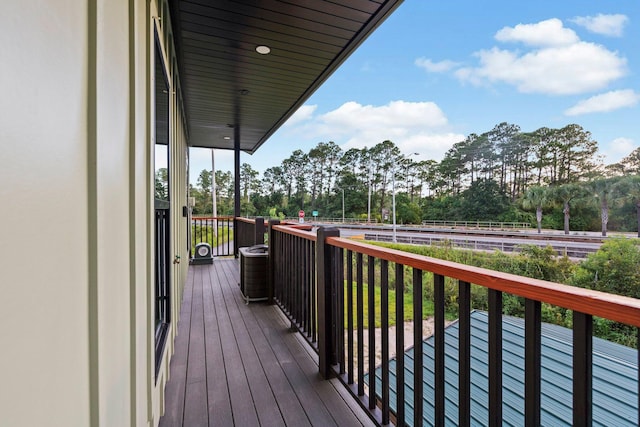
[[263, 50], [227, 138]]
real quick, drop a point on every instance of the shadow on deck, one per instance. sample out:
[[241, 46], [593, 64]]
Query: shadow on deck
[[238, 364]]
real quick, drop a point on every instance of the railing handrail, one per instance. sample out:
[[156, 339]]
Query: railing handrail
[[247, 220], [613, 307], [225, 217], [295, 230]]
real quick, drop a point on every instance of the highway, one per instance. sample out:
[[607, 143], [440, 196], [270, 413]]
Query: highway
[[573, 245]]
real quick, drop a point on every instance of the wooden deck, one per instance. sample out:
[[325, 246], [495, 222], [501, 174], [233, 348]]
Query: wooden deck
[[238, 364]]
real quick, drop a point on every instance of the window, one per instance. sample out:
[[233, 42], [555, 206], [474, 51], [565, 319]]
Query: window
[[162, 294]]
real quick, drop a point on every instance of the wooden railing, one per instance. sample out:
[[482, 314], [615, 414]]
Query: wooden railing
[[319, 283], [248, 232]]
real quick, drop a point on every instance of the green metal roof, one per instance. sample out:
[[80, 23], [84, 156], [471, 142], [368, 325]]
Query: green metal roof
[[615, 377]]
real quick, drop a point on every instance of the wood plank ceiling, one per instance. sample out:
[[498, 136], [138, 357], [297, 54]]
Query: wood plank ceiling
[[227, 84]]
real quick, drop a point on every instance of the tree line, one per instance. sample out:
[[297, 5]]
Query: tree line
[[554, 178]]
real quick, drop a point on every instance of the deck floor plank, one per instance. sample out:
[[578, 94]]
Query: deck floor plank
[[238, 364], [341, 413], [244, 413], [261, 393], [174, 408], [195, 401], [286, 397], [220, 413], [306, 393]]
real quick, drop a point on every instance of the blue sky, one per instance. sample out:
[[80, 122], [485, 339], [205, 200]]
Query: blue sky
[[436, 71]]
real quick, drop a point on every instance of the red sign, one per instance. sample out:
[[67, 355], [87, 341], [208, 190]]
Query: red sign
[[301, 214]]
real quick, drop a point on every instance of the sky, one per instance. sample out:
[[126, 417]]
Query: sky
[[436, 71]]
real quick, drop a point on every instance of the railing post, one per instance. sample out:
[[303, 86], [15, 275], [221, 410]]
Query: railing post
[[582, 369], [272, 260], [236, 236], [326, 289], [259, 231]]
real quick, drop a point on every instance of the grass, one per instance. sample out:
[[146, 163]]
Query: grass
[[427, 305], [224, 235]]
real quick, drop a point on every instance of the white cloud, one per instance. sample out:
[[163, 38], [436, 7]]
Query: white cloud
[[605, 102], [366, 67], [200, 159], [354, 116], [545, 33], [303, 114], [617, 149], [608, 25], [430, 146], [435, 67], [558, 64], [420, 127]]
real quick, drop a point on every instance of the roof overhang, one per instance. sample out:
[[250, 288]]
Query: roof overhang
[[227, 85]]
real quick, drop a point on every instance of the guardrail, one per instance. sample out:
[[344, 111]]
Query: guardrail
[[319, 281], [482, 245], [491, 225]]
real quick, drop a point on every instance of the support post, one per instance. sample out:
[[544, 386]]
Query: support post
[[236, 158], [214, 197], [258, 238], [236, 184], [272, 261], [326, 290], [532, 362]]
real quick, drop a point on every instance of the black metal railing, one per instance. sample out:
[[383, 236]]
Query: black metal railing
[[339, 290], [292, 266], [162, 285], [218, 232], [248, 232]]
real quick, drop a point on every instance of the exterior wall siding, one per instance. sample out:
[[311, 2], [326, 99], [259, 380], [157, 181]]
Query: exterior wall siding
[[44, 361], [76, 213], [111, 368]]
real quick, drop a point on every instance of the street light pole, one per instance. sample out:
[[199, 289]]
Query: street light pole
[[393, 202], [369, 200], [342, 205]]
